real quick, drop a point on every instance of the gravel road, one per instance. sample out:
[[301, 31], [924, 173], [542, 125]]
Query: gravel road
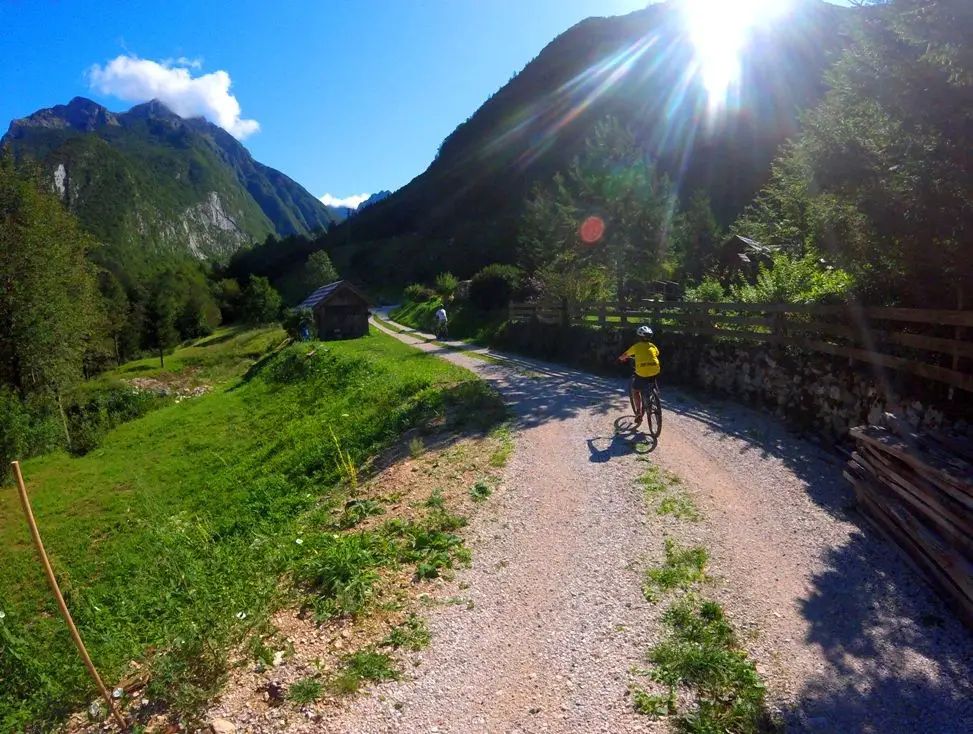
[[845, 635]]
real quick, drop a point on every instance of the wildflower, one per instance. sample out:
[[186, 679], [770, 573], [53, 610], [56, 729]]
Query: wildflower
[[241, 615]]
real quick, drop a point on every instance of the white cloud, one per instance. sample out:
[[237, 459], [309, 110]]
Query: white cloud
[[196, 63], [138, 80], [352, 202]]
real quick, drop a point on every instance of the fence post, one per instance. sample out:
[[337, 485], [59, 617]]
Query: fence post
[[602, 314], [957, 336], [565, 313], [621, 312]]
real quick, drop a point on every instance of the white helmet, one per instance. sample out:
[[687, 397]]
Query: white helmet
[[644, 331]]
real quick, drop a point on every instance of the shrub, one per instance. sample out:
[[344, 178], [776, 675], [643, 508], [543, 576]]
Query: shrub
[[418, 293], [795, 280], [297, 318], [90, 421], [446, 285], [14, 426], [493, 287], [709, 291]]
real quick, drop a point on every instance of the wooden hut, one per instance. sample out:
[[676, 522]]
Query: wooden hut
[[741, 255], [340, 311]]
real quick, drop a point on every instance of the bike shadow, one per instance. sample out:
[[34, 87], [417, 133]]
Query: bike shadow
[[625, 441]]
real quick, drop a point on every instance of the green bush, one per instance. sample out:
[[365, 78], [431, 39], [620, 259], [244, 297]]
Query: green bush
[[297, 318], [708, 291], [90, 421], [446, 285], [26, 428], [795, 280], [492, 288], [418, 293]]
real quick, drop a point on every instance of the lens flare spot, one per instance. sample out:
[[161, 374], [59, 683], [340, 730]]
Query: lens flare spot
[[592, 230]]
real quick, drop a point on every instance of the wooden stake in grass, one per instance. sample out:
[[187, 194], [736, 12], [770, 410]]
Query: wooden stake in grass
[[29, 514]]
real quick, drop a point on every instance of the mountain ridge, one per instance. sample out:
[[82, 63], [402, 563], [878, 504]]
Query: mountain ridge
[[151, 184]]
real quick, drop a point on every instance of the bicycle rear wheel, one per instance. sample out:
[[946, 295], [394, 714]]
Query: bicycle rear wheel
[[653, 411]]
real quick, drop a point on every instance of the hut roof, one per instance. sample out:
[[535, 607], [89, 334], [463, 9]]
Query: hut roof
[[325, 292]]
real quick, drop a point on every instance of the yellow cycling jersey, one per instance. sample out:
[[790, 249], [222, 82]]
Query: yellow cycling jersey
[[646, 359]]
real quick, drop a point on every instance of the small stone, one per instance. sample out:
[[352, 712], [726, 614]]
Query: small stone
[[278, 658], [222, 726], [535, 710]]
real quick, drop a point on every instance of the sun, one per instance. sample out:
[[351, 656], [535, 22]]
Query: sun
[[718, 29]]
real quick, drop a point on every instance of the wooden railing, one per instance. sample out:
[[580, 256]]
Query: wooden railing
[[927, 343]]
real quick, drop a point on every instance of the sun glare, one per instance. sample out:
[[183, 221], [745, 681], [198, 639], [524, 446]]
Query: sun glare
[[718, 29]]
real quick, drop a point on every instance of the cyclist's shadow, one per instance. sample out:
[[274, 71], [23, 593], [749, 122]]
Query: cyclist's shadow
[[626, 440]]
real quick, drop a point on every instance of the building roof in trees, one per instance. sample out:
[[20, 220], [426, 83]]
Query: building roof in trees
[[325, 292], [743, 250]]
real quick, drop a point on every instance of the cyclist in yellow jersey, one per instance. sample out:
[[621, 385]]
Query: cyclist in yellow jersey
[[647, 367]]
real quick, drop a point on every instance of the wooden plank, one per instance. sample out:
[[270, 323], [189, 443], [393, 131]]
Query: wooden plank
[[932, 467], [888, 525], [920, 316], [915, 341], [932, 372]]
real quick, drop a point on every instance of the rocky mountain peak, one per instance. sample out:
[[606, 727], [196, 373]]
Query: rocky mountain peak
[[79, 114]]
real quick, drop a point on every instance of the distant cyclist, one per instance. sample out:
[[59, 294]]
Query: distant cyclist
[[441, 321], [647, 368]]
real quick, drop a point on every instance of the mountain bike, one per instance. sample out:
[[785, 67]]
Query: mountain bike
[[651, 407]]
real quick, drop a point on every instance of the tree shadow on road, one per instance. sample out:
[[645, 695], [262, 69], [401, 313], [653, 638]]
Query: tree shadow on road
[[900, 661], [819, 469], [539, 392]]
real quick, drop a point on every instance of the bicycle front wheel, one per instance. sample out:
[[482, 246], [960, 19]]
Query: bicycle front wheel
[[653, 412]]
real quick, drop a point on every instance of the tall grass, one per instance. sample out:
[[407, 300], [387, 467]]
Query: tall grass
[[170, 538]]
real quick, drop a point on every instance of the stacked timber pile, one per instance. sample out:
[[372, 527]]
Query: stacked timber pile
[[917, 489]]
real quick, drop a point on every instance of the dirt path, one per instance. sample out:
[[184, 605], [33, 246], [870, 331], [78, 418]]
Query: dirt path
[[846, 637]]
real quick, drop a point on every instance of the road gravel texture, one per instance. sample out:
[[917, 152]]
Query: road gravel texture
[[846, 637]]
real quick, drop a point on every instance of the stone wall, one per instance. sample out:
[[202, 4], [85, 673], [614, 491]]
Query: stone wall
[[818, 393]]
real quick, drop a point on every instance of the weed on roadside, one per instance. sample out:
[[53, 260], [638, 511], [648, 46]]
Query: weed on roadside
[[357, 510], [653, 482], [681, 569], [679, 505], [304, 691], [480, 491], [416, 447], [701, 652], [502, 454], [364, 666], [413, 634]]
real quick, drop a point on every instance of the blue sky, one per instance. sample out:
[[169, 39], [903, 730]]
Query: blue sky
[[345, 96], [351, 96]]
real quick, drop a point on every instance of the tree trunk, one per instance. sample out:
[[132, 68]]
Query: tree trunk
[[162, 358]]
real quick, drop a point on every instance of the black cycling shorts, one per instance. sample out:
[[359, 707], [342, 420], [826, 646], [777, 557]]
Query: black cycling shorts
[[643, 383]]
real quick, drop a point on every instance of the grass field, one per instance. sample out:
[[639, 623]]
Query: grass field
[[170, 540]]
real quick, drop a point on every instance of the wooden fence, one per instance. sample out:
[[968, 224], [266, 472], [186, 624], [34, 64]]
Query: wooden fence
[[928, 343]]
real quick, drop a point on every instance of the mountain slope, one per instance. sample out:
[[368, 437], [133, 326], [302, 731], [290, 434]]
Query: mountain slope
[[462, 213], [150, 184]]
